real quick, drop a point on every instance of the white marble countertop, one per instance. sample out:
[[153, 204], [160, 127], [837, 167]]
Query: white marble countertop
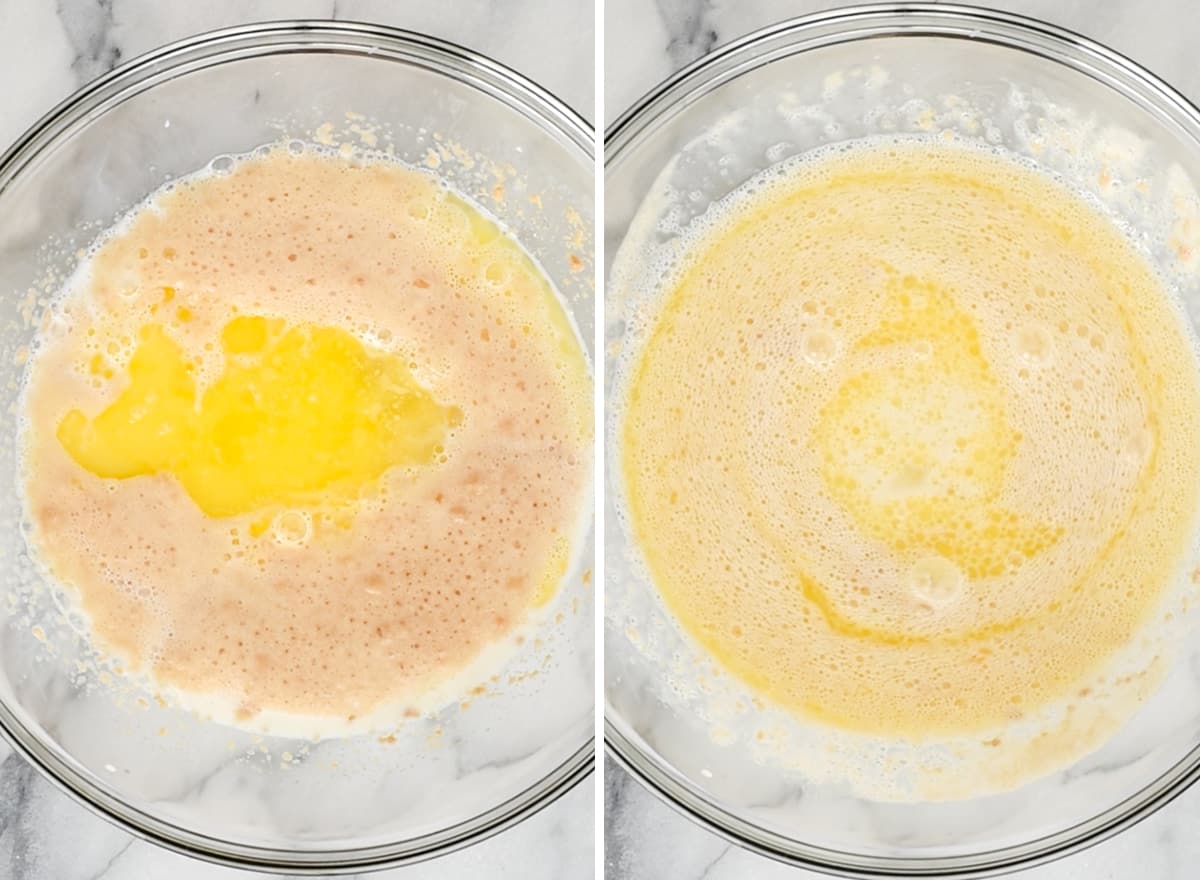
[[644, 43], [49, 49], [647, 840]]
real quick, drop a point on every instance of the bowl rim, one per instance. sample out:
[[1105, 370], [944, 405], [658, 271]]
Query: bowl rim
[[794, 36], [141, 73]]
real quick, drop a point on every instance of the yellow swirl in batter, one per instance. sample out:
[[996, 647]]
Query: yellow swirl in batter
[[910, 444]]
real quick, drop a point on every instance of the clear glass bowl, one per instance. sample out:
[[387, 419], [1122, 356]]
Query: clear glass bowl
[[1080, 110], [212, 791]]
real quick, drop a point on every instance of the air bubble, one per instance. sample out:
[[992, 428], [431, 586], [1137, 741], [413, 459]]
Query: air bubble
[[1034, 345], [1138, 445], [935, 581], [819, 347], [497, 274], [292, 528]]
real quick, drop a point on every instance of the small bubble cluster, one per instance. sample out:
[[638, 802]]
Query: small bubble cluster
[[909, 440], [333, 608]]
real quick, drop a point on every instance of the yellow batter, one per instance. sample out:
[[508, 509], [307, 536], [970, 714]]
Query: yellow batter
[[910, 444]]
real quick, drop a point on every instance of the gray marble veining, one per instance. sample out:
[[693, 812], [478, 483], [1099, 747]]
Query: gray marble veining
[[646, 840], [53, 48], [647, 40]]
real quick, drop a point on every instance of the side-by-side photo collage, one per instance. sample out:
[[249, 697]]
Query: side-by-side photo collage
[[599, 440]]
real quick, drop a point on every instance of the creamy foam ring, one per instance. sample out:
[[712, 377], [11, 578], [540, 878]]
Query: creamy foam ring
[[908, 443], [308, 435]]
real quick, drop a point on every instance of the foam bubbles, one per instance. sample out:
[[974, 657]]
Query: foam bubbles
[[322, 609], [924, 450]]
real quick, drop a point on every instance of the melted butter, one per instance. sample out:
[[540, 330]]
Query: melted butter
[[299, 414], [917, 451]]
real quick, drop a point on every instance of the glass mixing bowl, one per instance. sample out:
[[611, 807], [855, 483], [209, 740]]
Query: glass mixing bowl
[[216, 792], [1081, 111]]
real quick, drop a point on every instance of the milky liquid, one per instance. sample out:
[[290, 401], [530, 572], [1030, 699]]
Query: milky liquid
[[388, 573], [908, 442]]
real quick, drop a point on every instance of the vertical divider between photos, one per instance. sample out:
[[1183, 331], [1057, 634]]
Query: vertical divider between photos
[[598, 429]]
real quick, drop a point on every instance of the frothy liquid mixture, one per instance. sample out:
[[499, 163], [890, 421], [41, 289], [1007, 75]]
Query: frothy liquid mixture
[[910, 443], [308, 436]]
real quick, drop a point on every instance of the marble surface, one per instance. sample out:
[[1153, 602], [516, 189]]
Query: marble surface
[[646, 840], [44, 835], [644, 43], [52, 48]]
